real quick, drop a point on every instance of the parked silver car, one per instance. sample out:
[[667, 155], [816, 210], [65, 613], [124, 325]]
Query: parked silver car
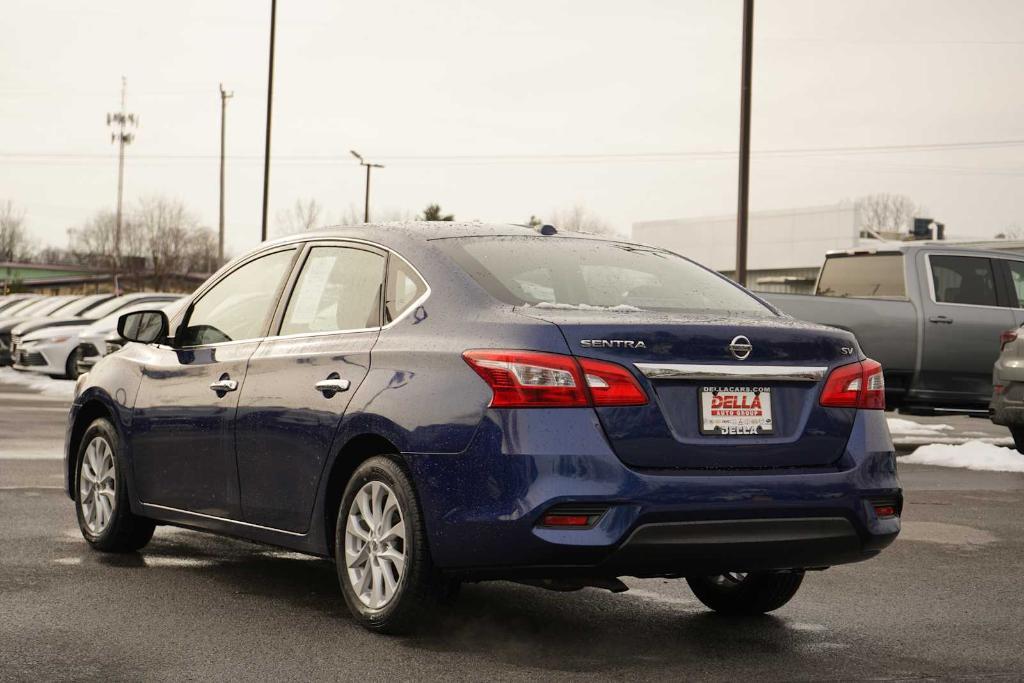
[[1007, 405]]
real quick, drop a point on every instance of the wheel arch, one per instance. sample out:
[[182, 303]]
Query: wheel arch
[[90, 411], [356, 451]]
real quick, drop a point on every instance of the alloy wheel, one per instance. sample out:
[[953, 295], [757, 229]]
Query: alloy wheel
[[375, 550], [97, 485]]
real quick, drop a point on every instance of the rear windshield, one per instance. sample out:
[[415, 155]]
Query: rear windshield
[[553, 272], [878, 276]]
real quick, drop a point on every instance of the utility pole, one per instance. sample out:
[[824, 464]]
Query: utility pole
[[744, 184], [270, 107], [362, 162], [224, 97], [120, 121]]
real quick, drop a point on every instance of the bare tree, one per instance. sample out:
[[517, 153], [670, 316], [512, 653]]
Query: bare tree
[[160, 238], [353, 215], [93, 242], [304, 215], [14, 242], [579, 219], [886, 212], [176, 242], [1013, 231], [55, 255]]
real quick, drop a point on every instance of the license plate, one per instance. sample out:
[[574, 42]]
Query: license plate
[[735, 411]]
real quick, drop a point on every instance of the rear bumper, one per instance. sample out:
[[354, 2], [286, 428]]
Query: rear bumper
[[483, 506], [710, 547], [1007, 407]]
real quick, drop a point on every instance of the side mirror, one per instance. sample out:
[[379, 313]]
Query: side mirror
[[145, 327]]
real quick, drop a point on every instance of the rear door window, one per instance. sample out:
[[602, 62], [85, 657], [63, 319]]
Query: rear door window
[[878, 276], [1016, 269], [338, 289], [963, 280]]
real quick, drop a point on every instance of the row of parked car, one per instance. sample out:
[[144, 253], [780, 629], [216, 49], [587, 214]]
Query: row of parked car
[[64, 336]]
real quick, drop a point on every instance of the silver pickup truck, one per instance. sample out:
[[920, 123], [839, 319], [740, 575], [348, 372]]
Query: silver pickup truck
[[932, 316]]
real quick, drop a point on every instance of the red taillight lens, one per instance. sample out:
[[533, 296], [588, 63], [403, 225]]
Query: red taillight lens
[[857, 385], [611, 384], [1007, 337], [531, 379]]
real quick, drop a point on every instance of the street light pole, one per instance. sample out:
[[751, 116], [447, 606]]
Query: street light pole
[[270, 107], [224, 97], [744, 182], [363, 162]]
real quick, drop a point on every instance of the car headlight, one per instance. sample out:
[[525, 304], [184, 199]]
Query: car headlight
[[50, 340]]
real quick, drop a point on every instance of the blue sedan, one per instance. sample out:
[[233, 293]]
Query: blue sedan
[[435, 403]]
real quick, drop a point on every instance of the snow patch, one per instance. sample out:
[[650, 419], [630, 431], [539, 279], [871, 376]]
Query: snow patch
[[621, 308], [900, 427], [61, 388], [972, 455]]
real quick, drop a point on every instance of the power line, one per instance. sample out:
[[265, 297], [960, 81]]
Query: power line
[[597, 156]]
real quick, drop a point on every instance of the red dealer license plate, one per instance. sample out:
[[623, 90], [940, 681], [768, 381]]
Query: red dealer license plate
[[735, 411]]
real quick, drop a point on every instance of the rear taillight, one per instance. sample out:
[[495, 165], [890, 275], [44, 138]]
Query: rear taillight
[[531, 379], [611, 384], [1007, 337], [857, 385]]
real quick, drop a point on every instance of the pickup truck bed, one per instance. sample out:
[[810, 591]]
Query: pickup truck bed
[[930, 313]]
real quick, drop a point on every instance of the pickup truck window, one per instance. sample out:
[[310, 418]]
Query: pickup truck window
[[1017, 275], [877, 276], [963, 280]]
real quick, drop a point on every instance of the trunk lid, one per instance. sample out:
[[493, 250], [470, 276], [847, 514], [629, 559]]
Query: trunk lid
[[677, 357]]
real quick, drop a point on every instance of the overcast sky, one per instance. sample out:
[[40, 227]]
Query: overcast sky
[[500, 110]]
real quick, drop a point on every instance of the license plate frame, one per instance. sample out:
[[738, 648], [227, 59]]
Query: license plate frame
[[735, 411]]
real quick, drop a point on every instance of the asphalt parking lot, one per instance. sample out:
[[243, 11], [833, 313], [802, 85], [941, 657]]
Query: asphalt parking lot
[[943, 602]]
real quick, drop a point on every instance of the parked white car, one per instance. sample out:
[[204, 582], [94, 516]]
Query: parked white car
[[53, 350], [101, 338]]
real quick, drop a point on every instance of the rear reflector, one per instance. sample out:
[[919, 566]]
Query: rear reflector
[[857, 385], [576, 515], [885, 510], [531, 379], [565, 520]]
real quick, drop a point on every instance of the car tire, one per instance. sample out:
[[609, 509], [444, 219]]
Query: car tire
[[746, 594], [383, 561], [1018, 438], [101, 494], [71, 365]]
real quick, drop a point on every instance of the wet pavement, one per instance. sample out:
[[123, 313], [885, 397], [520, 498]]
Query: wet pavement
[[943, 602]]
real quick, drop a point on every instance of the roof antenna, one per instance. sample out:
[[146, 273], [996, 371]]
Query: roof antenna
[[548, 229]]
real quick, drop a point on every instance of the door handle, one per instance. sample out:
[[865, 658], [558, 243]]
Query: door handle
[[224, 385], [944, 320], [332, 385]]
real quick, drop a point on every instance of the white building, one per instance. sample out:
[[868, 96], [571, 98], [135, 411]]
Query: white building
[[785, 248]]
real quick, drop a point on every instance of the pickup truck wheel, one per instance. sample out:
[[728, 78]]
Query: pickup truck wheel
[[746, 594], [1018, 438]]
